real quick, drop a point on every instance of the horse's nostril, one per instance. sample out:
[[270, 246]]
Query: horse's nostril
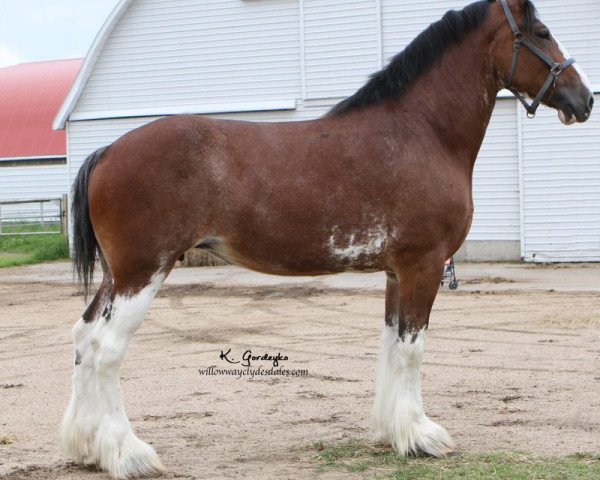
[[591, 102]]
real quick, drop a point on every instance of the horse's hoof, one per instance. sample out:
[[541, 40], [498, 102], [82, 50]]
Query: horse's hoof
[[451, 454], [445, 453]]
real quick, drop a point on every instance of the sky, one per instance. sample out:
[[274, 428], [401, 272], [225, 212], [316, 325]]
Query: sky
[[35, 30]]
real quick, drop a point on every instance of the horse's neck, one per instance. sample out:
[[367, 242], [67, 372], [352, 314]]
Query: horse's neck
[[456, 98]]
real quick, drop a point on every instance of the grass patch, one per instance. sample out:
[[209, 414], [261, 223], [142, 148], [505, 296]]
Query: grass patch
[[20, 227], [28, 249], [378, 462]]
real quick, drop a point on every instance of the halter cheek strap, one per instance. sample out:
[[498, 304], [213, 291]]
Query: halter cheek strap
[[555, 68]]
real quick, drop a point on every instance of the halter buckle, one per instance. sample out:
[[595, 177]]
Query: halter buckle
[[556, 69], [517, 43]]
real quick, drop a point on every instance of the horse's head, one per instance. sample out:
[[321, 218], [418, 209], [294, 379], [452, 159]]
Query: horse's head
[[529, 60]]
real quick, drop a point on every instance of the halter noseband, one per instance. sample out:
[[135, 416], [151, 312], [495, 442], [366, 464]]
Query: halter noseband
[[555, 68]]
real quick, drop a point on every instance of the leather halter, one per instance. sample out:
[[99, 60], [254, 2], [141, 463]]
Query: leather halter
[[555, 68]]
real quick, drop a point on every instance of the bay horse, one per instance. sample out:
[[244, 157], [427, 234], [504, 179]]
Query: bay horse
[[381, 183]]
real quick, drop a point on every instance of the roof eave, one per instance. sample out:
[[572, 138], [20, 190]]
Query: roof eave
[[68, 105]]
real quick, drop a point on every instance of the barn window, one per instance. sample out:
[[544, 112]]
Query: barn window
[[32, 162]]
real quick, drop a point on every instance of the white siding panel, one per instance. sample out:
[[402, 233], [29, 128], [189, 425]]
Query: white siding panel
[[30, 182], [340, 43], [166, 53], [403, 21], [496, 179], [561, 181]]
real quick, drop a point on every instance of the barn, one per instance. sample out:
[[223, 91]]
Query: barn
[[33, 159], [536, 183]]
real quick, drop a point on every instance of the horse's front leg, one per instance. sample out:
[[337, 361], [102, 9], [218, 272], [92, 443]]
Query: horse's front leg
[[398, 411]]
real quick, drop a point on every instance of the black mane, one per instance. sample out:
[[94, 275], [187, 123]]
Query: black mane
[[421, 55]]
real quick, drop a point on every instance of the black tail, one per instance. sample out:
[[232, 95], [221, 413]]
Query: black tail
[[84, 239]]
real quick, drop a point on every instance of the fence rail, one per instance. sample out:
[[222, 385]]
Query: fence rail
[[34, 216]]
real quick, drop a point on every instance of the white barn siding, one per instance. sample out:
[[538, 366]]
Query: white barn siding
[[340, 46], [403, 21], [561, 165], [496, 179], [561, 183], [188, 53], [31, 182]]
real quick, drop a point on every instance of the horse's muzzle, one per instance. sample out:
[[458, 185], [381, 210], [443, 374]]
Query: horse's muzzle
[[573, 105]]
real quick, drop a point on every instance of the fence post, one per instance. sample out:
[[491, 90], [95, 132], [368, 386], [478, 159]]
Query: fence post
[[64, 216]]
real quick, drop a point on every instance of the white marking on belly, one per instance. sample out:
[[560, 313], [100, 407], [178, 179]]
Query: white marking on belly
[[352, 249]]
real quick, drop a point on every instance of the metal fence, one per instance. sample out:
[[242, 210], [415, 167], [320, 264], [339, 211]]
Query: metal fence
[[38, 216]]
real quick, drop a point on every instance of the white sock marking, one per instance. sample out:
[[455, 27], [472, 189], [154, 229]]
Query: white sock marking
[[95, 428], [398, 413]]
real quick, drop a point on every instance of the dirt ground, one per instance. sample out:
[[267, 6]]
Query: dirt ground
[[512, 362]]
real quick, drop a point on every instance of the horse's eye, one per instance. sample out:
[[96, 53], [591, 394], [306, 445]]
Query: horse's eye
[[545, 34]]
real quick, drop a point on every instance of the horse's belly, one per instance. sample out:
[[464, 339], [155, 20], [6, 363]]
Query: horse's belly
[[282, 258]]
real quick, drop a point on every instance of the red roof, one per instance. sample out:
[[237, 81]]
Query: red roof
[[30, 96]]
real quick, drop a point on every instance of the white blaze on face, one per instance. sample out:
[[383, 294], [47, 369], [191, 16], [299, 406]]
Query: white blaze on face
[[584, 79]]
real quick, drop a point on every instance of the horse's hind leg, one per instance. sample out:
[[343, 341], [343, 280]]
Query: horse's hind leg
[[398, 414], [77, 432], [95, 428]]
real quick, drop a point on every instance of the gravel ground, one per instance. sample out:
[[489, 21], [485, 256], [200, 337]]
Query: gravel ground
[[512, 362]]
